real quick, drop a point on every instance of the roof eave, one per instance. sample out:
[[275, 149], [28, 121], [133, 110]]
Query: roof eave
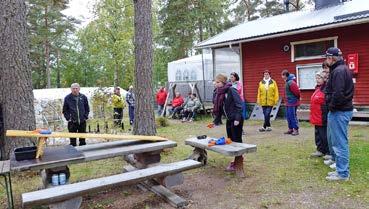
[[287, 33]]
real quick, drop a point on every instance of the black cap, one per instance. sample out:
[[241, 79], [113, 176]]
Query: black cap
[[333, 51]]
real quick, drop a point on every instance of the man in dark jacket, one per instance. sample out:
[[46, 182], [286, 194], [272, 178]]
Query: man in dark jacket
[[339, 94], [75, 111]]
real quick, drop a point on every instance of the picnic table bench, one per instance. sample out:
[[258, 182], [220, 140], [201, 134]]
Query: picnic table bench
[[143, 154], [234, 150]]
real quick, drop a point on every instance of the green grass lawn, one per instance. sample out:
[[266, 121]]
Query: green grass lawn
[[278, 174]]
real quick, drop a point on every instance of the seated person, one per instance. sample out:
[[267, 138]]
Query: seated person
[[189, 110], [177, 103]]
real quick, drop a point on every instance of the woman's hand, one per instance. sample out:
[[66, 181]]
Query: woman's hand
[[236, 123]]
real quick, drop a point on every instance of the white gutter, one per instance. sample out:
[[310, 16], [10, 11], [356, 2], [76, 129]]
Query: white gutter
[[318, 28]]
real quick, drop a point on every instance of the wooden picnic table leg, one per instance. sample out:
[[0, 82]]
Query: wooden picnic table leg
[[46, 175], [40, 146], [199, 155], [158, 186], [238, 163]]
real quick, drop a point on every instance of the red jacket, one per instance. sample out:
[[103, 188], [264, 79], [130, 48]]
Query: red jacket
[[318, 108], [177, 101], [161, 96]]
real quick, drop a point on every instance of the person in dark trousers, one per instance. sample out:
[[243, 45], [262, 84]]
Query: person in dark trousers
[[339, 95], [118, 103], [292, 101], [75, 111], [318, 116], [268, 97], [130, 99], [231, 105]]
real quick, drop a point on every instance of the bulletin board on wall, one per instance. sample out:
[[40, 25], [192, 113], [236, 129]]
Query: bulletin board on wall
[[306, 75]]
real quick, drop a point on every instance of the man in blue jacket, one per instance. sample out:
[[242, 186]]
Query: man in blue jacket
[[75, 111], [339, 94]]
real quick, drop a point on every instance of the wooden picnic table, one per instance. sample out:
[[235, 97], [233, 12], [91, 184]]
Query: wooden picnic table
[[43, 137], [234, 150], [141, 153]]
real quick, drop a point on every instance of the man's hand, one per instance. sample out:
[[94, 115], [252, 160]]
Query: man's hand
[[236, 123]]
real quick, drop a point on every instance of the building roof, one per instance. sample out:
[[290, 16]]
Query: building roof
[[298, 22]]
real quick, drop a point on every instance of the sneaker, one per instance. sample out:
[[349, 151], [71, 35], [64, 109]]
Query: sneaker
[[288, 132], [190, 120], [327, 157], [231, 167], [268, 129], [183, 120], [316, 154], [328, 162], [333, 166], [336, 177], [262, 129], [332, 173], [295, 132]]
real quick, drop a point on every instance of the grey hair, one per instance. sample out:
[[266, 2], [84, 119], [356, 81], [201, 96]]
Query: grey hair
[[74, 85]]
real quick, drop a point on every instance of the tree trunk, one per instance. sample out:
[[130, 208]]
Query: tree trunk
[[144, 123], [58, 84], [47, 49], [16, 96]]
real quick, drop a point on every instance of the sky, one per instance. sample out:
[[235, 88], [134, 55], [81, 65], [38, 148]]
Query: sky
[[80, 9]]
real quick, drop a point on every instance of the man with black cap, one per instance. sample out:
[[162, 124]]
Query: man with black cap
[[339, 94]]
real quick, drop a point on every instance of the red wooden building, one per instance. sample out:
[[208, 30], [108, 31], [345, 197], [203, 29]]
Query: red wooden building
[[297, 41]]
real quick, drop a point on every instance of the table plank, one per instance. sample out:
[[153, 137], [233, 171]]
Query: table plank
[[233, 149], [103, 153], [4, 166], [55, 156], [65, 192], [20, 133]]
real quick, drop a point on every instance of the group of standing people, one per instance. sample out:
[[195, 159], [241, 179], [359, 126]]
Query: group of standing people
[[119, 103], [331, 110]]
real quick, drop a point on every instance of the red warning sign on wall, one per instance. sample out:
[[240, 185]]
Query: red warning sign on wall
[[353, 62]]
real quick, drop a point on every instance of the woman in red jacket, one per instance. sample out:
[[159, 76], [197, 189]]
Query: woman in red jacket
[[318, 116]]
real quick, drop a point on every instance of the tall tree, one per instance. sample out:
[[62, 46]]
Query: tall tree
[[144, 123], [16, 97], [271, 8], [48, 29], [246, 10], [108, 42], [186, 22]]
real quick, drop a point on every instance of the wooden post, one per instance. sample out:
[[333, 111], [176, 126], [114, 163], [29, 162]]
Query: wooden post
[[238, 163]]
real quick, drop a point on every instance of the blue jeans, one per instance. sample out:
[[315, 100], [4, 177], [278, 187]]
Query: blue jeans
[[338, 122], [160, 109], [131, 112], [329, 137], [292, 117], [266, 111]]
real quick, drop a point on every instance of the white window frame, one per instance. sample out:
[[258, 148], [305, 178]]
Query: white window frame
[[293, 59], [302, 66]]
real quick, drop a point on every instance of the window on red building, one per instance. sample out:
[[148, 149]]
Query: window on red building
[[311, 49]]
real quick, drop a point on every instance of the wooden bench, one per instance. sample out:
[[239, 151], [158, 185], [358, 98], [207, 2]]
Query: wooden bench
[[62, 196], [234, 150]]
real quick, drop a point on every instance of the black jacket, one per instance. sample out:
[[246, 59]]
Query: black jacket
[[75, 108], [232, 106], [340, 88]]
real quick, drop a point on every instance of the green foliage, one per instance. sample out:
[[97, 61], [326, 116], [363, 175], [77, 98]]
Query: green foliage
[[107, 42], [185, 22], [49, 35], [162, 122]]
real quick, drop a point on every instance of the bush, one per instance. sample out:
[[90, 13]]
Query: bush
[[162, 121]]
